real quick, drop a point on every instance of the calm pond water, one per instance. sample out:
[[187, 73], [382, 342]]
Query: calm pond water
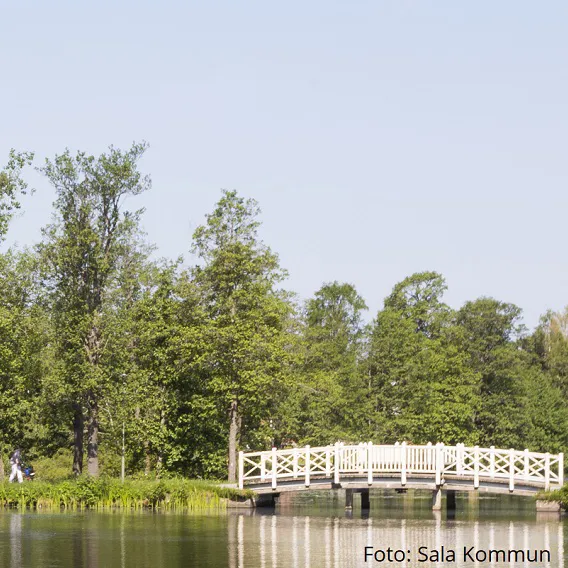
[[312, 531]]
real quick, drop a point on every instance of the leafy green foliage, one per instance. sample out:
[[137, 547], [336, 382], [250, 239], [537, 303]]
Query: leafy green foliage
[[418, 298], [83, 252], [324, 400], [181, 368], [23, 339], [420, 385], [247, 337], [12, 185], [560, 495]]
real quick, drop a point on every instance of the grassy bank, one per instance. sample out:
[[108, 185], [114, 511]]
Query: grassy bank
[[558, 495], [106, 493]]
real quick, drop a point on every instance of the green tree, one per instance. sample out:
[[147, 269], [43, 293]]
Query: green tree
[[490, 330], [488, 326], [549, 343], [324, 402], [420, 385], [197, 434], [248, 334], [83, 250], [548, 389], [521, 402], [12, 185], [418, 298], [172, 417], [14, 312], [24, 337]]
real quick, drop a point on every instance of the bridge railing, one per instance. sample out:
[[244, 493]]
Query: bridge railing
[[340, 460]]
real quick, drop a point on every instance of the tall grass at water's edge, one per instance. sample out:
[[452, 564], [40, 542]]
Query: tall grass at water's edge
[[105, 493], [560, 495]]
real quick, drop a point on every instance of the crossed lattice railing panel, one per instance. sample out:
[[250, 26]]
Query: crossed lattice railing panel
[[492, 463], [438, 461], [282, 464]]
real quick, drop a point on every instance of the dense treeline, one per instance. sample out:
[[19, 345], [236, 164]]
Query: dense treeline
[[99, 344]]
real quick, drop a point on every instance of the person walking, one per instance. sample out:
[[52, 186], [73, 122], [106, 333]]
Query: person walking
[[16, 462]]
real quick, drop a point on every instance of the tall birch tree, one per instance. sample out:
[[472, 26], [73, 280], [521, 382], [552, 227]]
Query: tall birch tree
[[82, 249]]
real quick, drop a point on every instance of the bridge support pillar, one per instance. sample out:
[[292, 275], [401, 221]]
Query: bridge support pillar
[[437, 499], [451, 500], [365, 500], [349, 498]]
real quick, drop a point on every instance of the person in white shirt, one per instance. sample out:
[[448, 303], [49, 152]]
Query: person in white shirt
[[16, 463]]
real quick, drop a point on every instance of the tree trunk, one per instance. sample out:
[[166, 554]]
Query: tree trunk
[[78, 425], [93, 347], [145, 445], [234, 433], [147, 458], [93, 440], [160, 460]]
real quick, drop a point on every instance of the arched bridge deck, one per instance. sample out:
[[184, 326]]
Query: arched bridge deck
[[362, 466]]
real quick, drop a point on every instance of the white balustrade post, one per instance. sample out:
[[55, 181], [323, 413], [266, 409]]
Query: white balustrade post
[[403, 464], [526, 466], [511, 469], [459, 459], [438, 464], [327, 461], [428, 466], [336, 463], [433, 458], [274, 468], [546, 471], [241, 470], [560, 469], [370, 463], [476, 460], [295, 463], [395, 456], [262, 466], [492, 462], [307, 465]]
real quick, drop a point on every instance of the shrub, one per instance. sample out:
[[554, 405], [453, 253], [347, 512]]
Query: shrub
[[56, 468]]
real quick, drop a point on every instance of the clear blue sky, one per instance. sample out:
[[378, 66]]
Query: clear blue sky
[[380, 138]]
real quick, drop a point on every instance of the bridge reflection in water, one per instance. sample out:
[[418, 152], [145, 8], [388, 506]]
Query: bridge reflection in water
[[275, 541]]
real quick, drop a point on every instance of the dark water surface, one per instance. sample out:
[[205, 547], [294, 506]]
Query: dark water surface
[[312, 531]]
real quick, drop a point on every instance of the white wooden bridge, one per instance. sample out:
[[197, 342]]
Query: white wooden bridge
[[435, 467]]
